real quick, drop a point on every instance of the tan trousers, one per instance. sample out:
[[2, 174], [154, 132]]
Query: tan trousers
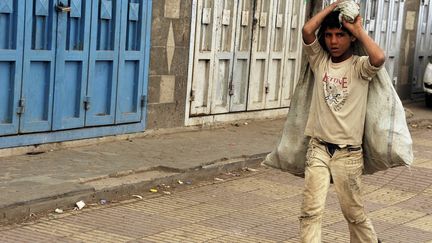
[[345, 168]]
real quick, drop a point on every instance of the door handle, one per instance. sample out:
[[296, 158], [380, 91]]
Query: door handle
[[63, 8]]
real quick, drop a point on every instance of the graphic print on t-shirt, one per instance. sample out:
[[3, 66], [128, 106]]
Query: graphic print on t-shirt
[[335, 91]]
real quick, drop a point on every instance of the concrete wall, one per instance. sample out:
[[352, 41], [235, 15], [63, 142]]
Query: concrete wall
[[407, 49], [169, 57]]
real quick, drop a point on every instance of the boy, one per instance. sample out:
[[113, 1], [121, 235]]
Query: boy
[[336, 121]]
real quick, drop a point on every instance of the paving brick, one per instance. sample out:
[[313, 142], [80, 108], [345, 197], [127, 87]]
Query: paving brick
[[99, 236], [240, 201], [292, 240], [424, 223], [420, 141], [330, 236], [24, 235], [237, 222], [406, 235], [240, 239], [278, 191], [278, 230], [160, 205], [203, 194], [369, 188], [331, 217], [198, 213], [190, 233], [421, 202], [57, 229], [388, 196], [428, 191], [423, 163], [248, 185], [372, 207], [276, 209], [381, 225], [281, 178], [396, 215]]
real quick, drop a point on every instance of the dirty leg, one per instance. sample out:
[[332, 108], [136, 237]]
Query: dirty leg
[[317, 181], [347, 171]]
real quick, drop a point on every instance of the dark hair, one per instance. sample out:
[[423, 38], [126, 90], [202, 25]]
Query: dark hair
[[330, 21]]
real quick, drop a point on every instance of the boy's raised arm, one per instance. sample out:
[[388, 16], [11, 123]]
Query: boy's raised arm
[[375, 53], [311, 26]]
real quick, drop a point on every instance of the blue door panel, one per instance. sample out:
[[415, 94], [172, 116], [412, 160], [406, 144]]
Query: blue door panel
[[73, 35], [37, 108], [103, 62], [129, 91], [101, 93], [38, 65], [8, 119], [11, 42], [131, 63]]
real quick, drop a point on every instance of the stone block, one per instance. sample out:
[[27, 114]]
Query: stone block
[[172, 9], [167, 89]]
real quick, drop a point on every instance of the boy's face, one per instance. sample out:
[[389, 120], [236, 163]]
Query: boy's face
[[338, 44]]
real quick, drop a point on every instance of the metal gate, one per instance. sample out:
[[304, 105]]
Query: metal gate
[[242, 58], [73, 64], [384, 25], [423, 51]]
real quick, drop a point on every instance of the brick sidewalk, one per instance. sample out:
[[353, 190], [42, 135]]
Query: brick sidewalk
[[255, 207]]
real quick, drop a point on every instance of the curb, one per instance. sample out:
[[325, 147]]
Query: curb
[[121, 189]]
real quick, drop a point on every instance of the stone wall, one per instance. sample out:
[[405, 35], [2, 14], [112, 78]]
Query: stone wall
[[169, 55]]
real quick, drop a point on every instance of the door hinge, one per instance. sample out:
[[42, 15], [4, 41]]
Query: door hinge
[[86, 103], [231, 89], [192, 95], [267, 88], [143, 102], [61, 8], [255, 21], [21, 106]]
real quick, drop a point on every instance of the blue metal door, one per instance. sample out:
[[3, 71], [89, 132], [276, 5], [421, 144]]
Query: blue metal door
[[72, 64], [11, 42], [103, 63], [73, 42], [38, 65], [130, 98]]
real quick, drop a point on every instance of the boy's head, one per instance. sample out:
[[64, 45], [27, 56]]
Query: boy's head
[[335, 38]]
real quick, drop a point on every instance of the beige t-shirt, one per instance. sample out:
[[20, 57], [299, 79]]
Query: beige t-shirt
[[338, 108]]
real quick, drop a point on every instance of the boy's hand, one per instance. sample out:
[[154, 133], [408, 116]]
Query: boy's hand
[[355, 28], [375, 53]]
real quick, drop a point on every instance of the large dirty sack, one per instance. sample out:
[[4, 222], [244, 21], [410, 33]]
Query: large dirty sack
[[290, 152], [386, 142]]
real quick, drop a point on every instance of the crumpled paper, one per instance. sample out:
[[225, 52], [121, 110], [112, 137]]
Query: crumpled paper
[[349, 10]]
